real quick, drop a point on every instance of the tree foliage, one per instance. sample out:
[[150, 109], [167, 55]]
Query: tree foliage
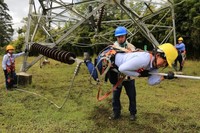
[[6, 30], [188, 25]]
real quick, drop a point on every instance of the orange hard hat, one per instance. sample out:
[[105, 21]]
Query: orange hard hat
[[9, 47]]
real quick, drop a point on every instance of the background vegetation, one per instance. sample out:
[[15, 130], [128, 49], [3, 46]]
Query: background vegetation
[[6, 30]]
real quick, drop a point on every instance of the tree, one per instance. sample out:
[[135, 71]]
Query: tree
[[188, 25], [6, 30]]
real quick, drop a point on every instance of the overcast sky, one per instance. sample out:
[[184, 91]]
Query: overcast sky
[[18, 10]]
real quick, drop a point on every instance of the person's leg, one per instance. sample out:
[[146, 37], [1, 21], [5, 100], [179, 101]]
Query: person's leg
[[6, 79], [131, 92], [11, 77], [183, 58], [14, 80], [180, 59], [92, 70], [91, 66], [116, 102]]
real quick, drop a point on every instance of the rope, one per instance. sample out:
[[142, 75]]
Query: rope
[[79, 62], [38, 96], [100, 98]]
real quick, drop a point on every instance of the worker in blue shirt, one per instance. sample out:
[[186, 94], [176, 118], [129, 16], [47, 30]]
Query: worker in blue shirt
[[139, 64], [181, 53], [8, 65]]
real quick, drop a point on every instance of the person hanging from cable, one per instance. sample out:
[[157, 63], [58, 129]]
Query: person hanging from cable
[[8, 65], [133, 64], [139, 63], [181, 54]]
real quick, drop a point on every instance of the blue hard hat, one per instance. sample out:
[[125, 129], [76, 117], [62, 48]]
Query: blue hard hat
[[120, 31]]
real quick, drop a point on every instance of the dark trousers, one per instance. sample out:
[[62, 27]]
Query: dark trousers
[[180, 60], [13, 79], [130, 91], [113, 78]]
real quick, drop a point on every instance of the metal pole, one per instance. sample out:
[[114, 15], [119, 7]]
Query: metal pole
[[143, 28], [31, 2], [177, 76], [173, 21], [78, 24]]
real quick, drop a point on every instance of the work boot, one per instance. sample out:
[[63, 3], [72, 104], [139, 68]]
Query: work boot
[[114, 116], [86, 57], [15, 86], [132, 117]]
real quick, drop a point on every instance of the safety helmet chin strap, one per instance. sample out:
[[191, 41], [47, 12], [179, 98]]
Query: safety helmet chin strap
[[154, 52]]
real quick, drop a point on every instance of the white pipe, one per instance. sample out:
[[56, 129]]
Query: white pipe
[[176, 75]]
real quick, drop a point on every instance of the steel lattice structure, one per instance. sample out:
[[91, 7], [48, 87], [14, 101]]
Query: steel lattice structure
[[50, 14]]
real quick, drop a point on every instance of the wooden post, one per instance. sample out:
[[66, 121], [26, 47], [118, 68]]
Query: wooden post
[[24, 78]]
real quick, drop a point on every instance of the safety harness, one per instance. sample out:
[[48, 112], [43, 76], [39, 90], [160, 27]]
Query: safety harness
[[107, 58], [10, 69], [108, 64]]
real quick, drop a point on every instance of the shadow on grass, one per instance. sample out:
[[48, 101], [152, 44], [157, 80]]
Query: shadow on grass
[[154, 118], [123, 125]]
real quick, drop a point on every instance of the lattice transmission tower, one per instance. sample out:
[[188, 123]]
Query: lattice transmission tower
[[144, 17]]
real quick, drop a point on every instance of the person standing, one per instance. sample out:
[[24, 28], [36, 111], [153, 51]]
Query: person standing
[[181, 53], [8, 65], [129, 84]]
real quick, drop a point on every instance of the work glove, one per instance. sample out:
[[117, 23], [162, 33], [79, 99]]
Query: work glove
[[170, 75], [144, 73]]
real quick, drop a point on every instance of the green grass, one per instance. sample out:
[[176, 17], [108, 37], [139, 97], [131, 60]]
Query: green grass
[[172, 106]]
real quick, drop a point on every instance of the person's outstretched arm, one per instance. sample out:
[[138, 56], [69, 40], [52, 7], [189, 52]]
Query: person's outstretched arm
[[18, 54], [92, 70]]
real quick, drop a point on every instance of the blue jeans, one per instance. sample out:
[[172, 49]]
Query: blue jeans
[[131, 92]]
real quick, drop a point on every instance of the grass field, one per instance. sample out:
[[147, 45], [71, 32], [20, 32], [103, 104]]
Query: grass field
[[172, 106]]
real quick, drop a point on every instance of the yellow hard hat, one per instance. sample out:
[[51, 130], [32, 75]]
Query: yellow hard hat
[[180, 39], [170, 52], [9, 47]]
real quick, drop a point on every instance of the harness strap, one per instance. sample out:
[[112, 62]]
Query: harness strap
[[10, 69], [100, 98]]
